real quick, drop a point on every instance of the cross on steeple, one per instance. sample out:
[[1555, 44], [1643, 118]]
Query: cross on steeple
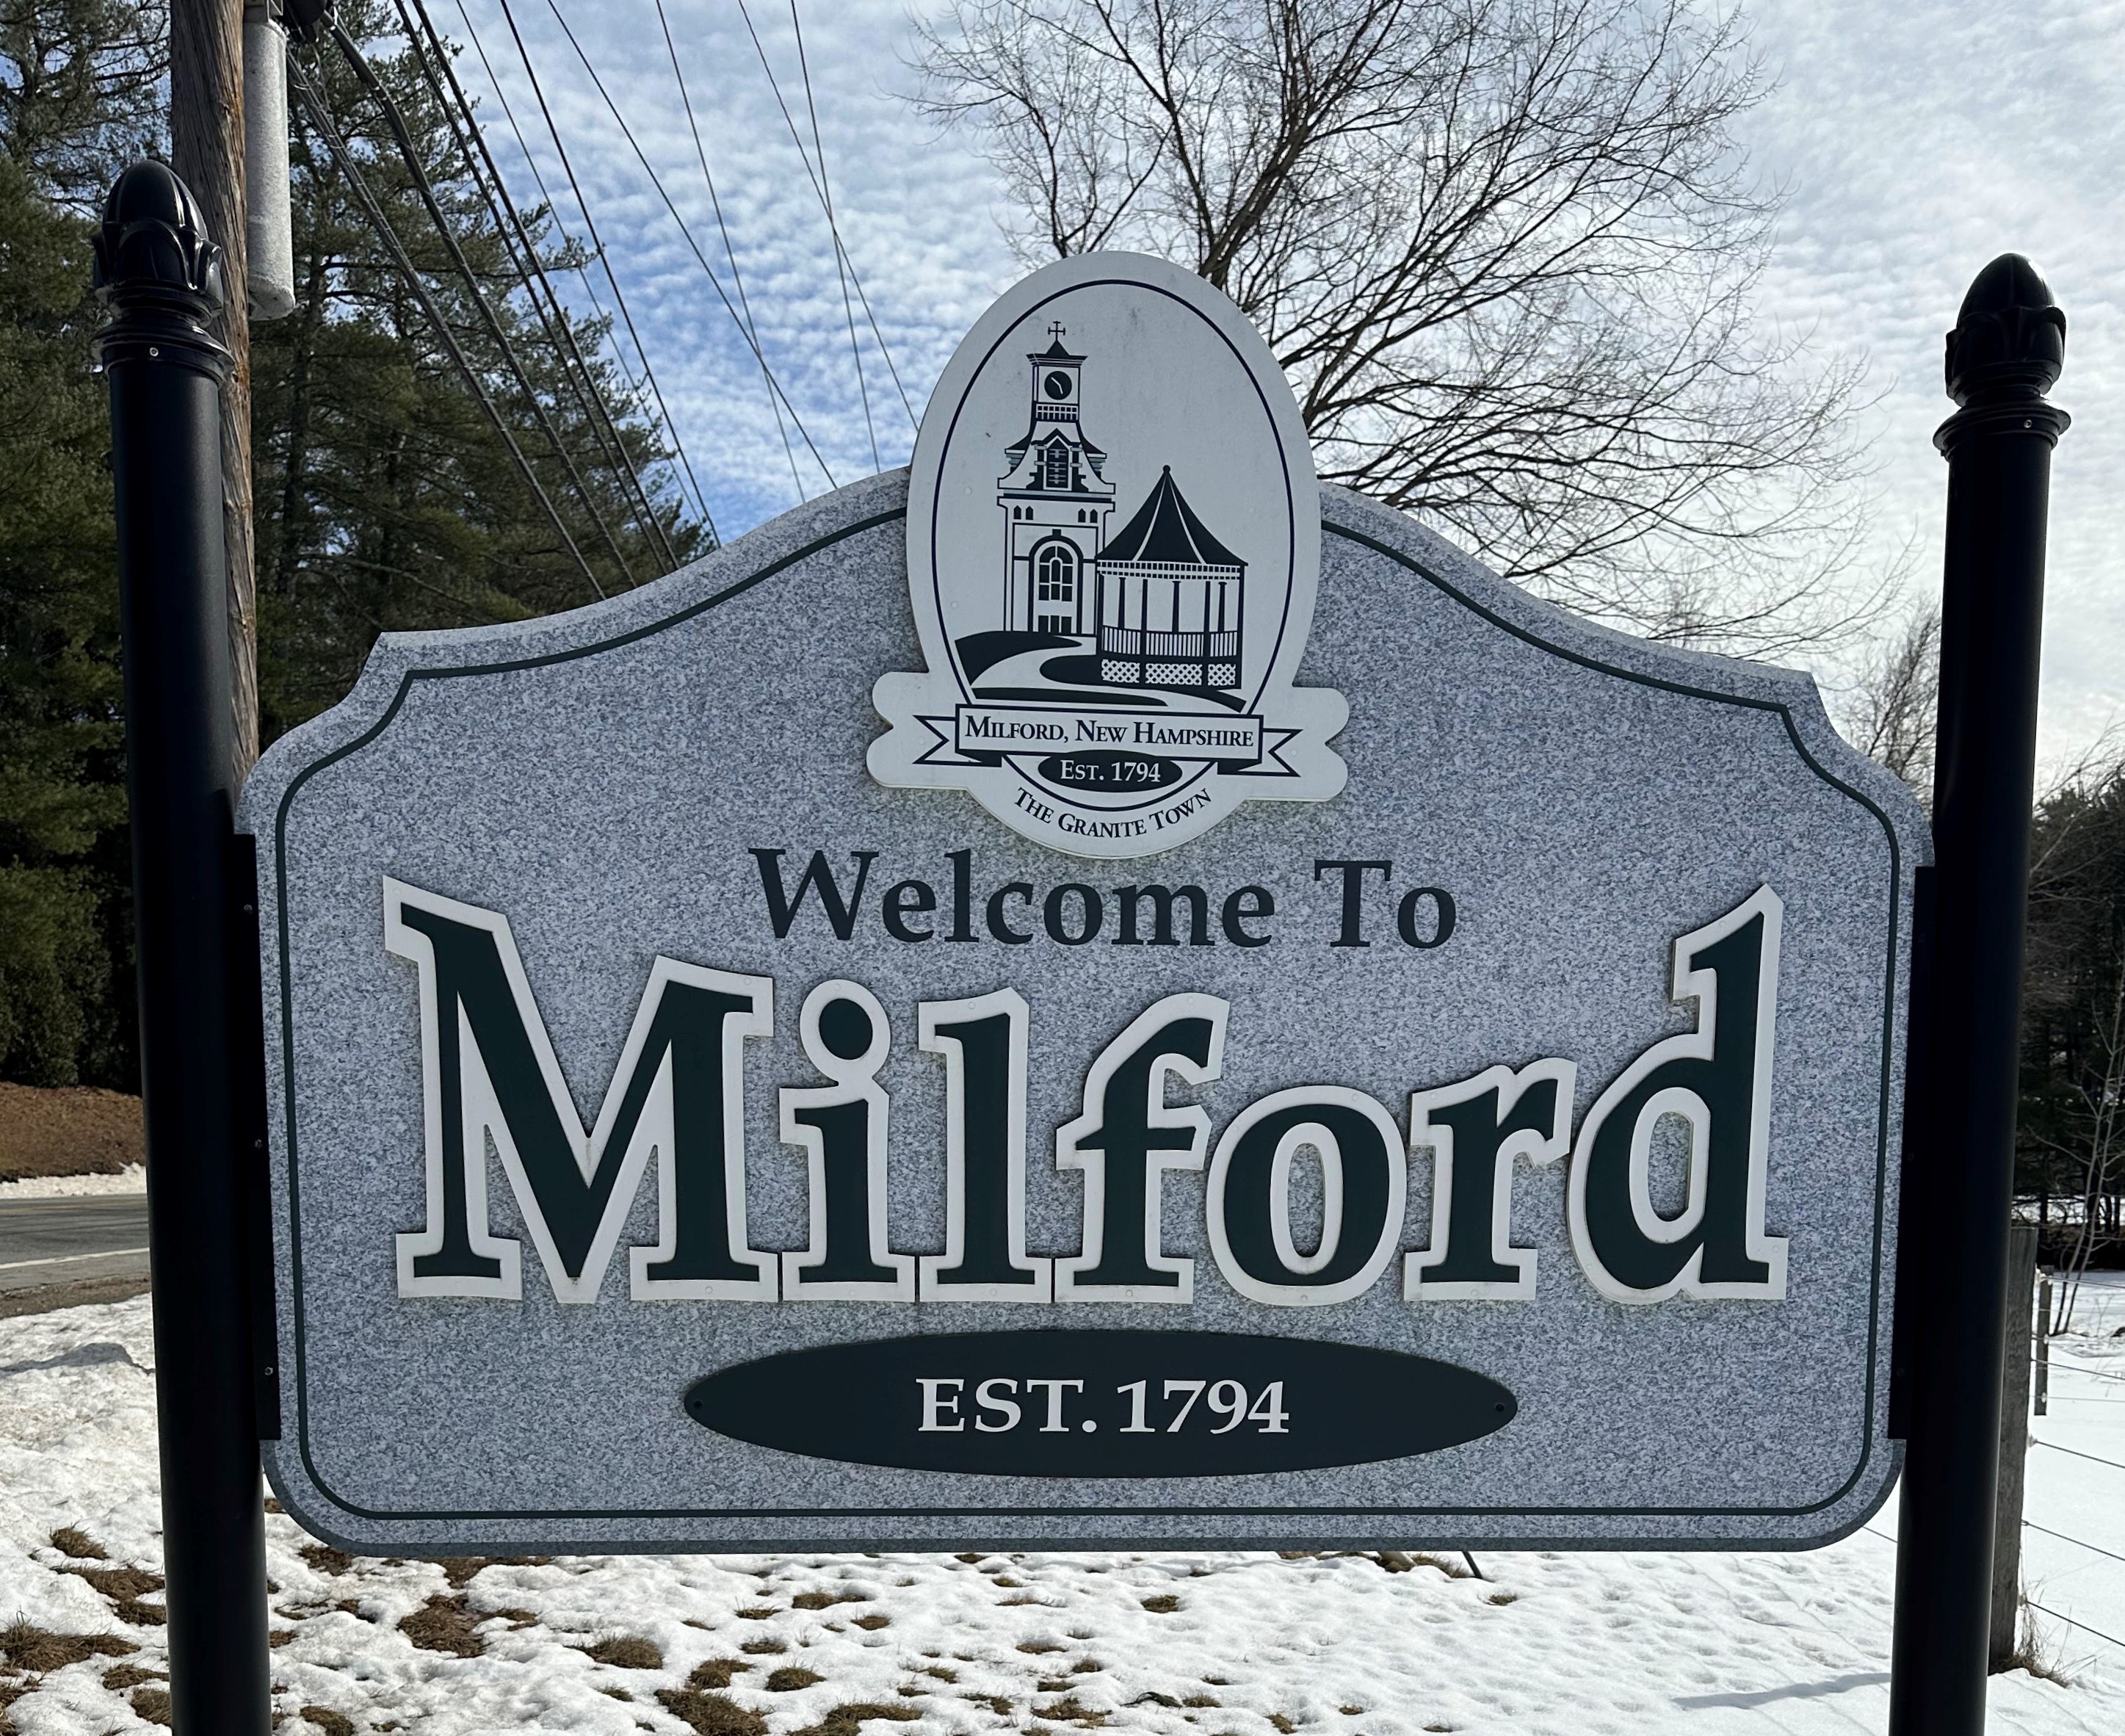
[[1056, 331]]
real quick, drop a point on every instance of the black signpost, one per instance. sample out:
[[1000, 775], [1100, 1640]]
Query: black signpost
[[160, 279], [204, 1060], [2005, 351]]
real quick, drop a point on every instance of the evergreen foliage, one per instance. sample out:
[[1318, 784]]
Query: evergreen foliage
[[73, 75], [385, 498]]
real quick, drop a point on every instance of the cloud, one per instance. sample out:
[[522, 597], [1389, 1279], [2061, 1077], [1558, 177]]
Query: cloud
[[1918, 138], [914, 214]]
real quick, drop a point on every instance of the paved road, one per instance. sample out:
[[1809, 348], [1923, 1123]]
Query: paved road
[[52, 1242]]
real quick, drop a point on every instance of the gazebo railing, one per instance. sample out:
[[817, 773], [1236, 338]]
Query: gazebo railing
[[1194, 647]]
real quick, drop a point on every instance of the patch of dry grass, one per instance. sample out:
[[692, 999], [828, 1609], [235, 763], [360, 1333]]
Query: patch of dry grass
[[445, 1625], [68, 1540], [626, 1652], [37, 1649], [848, 1719], [711, 1714], [67, 1130]]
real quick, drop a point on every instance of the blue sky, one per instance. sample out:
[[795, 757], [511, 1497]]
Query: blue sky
[[1916, 139]]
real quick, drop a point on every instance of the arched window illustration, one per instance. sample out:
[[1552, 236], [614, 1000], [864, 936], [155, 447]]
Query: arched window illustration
[[1055, 588]]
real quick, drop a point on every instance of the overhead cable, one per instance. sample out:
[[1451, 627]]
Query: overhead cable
[[819, 192], [730, 252], [411, 157], [546, 194], [685, 233], [320, 119], [840, 260], [435, 63], [604, 260]]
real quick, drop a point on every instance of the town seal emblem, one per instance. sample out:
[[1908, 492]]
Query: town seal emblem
[[1113, 540]]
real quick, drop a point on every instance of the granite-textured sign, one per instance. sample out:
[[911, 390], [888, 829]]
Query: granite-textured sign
[[1105, 994]]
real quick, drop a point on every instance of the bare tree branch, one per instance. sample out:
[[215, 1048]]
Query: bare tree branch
[[1507, 251]]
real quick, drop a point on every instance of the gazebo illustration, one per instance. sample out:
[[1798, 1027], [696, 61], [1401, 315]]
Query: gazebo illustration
[[1162, 596], [1169, 599]]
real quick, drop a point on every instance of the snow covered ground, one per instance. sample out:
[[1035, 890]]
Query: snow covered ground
[[132, 1179], [1223, 1645]]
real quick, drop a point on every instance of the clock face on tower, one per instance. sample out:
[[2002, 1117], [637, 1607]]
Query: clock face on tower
[[1057, 385]]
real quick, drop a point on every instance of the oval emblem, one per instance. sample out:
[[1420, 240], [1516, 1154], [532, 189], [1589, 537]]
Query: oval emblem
[[1100, 1403], [1113, 542]]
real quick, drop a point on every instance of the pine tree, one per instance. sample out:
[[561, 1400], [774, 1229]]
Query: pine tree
[[73, 75], [386, 498]]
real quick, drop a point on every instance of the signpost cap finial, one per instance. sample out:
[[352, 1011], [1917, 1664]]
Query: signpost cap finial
[[2010, 335], [152, 238], [158, 274]]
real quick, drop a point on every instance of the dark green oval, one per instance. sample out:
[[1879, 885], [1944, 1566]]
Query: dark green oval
[[867, 1403]]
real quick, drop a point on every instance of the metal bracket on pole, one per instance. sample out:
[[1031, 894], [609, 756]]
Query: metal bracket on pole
[[249, 1093], [1912, 1194]]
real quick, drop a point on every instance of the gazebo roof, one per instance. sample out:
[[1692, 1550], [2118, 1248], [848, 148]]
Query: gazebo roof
[[1166, 530]]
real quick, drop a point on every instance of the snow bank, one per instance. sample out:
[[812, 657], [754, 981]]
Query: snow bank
[[1223, 1645], [132, 1179]]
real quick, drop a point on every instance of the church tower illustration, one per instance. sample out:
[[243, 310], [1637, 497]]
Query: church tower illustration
[[1056, 503]]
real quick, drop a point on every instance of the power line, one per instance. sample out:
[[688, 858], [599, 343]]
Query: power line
[[523, 250], [730, 252], [538, 180], [685, 233], [320, 119], [412, 158], [818, 190], [605, 259], [597, 244], [840, 262]]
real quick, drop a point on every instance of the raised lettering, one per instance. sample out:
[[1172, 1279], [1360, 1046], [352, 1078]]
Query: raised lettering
[[1476, 1128], [1248, 1200], [983, 1044], [1716, 1081], [841, 1128], [489, 1072], [1127, 1137]]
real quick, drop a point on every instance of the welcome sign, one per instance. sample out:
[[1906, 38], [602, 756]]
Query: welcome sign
[[1092, 992]]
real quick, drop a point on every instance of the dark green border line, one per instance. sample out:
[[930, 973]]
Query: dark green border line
[[1871, 1401]]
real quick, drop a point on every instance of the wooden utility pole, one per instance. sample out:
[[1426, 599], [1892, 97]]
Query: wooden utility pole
[[2014, 1451], [206, 149]]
